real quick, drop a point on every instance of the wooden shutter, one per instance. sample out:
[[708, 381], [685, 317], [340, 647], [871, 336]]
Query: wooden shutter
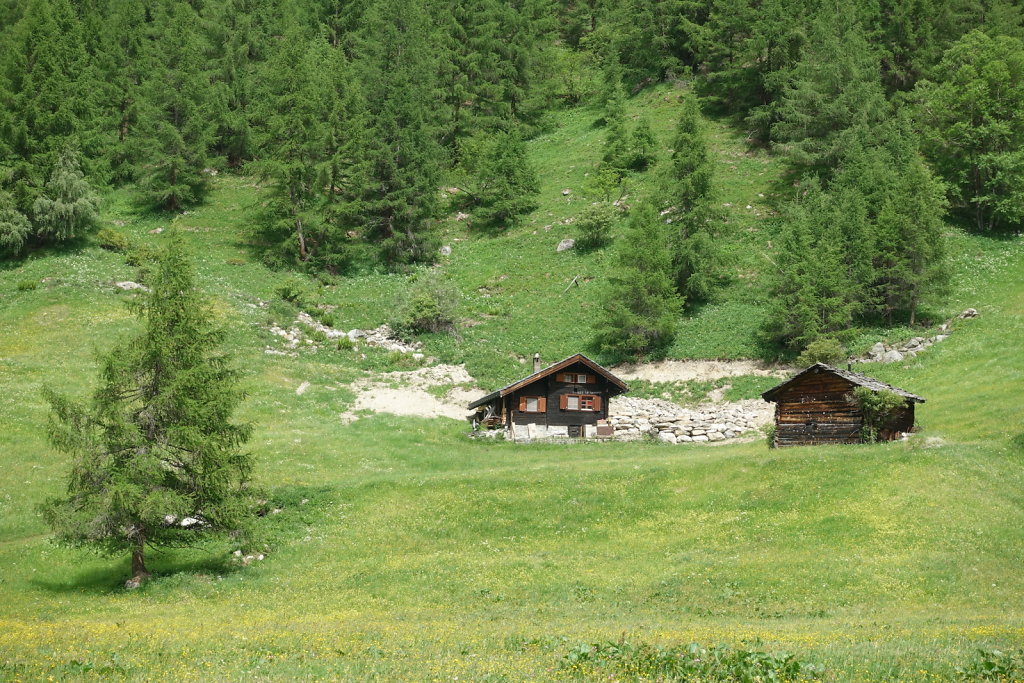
[[522, 404], [542, 405], [591, 379], [563, 401], [597, 403]]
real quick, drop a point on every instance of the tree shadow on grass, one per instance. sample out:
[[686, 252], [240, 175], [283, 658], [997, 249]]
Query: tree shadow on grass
[[285, 515], [181, 566]]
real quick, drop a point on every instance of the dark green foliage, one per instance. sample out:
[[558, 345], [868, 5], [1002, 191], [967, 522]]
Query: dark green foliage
[[502, 184], [155, 445], [835, 87], [617, 142], [820, 268], [642, 146], [595, 225], [973, 130], [399, 201], [689, 194], [690, 172], [68, 206], [639, 306], [177, 119], [313, 112], [693, 662], [825, 350]]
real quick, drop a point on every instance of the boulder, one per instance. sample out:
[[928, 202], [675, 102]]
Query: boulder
[[667, 437], [566, 244], [892, 356]]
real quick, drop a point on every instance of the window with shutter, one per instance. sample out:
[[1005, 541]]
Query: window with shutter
[[532, 404], [581, 402]]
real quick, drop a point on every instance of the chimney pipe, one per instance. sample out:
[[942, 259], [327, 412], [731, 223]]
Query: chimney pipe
[[536, 362]]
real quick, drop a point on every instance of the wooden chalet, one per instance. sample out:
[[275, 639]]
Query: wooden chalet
[[815, 407], [568, 399]]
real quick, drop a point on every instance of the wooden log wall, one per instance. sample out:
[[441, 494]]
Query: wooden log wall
[[816, 411]]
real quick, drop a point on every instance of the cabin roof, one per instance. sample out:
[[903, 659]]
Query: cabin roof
[[849, 375], [551, 369]]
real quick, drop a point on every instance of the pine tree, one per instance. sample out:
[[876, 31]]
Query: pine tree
[[505, 183], [617, 143], [310, 145], [402, 153], [176, 122], [689, 194], [909, 246], [834, 89], [822, 267], [156, 458], [643, 146], [68, 206], [640, 307]]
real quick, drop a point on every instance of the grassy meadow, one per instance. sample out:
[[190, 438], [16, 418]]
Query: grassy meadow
[[405, 551]]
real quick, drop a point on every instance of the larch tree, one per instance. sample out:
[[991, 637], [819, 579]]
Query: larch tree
[[402, 152], [156, 458], [640, 307], [688, 192], [176, 125]]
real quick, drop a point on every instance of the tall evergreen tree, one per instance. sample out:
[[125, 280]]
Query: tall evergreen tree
[[176, 121], [502, 182], [640, 307], [156, 457], [821, 267], [689, 194], [15, 228], [402, 150], [835, 87], [310, 146]]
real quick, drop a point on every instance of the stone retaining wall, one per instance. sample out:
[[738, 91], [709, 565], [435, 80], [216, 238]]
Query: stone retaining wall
[[635, 418]]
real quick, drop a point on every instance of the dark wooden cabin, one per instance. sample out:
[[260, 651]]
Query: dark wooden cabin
[[815, 407], [567, 399]]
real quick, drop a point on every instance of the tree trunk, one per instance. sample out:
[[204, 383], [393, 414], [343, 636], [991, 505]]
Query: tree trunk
[[139, 572]]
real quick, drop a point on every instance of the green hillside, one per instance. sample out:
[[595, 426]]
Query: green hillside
[[403, 550]]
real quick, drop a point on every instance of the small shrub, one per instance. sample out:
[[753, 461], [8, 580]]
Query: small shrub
[[994, 665], [429, 305], [595, 225], [235, 261], [876, 407], [683, 663], [825, 350], [296, 290], [112, 240], [140, 255], [769, 431], [345, 344], [27, 285]]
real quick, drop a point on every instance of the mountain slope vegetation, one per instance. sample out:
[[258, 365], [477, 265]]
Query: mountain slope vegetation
[[397, 548]]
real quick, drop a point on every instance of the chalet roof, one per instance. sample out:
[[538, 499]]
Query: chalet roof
[[849, 375], [551, 369]]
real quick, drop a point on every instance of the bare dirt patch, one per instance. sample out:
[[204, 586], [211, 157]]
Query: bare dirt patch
[[407, 393], [690, 370]]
